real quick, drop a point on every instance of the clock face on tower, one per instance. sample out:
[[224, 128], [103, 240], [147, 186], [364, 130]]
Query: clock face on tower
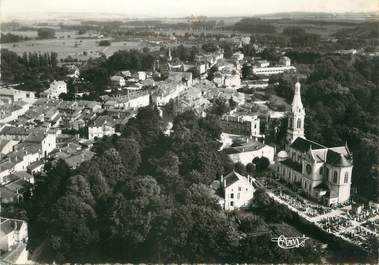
[[309, 169]]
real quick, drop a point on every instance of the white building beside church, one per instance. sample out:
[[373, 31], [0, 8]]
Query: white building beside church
[[238, 191], [321, 172]]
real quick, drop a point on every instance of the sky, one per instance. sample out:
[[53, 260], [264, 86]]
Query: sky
[[177, 8]]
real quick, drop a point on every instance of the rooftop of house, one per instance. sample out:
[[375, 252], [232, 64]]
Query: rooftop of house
[[11, 91], [3, 143], [116, 78], [35, 164], [27, 148], [13, 130], [249, 147], [20, 175], [180, 76], [75, 160], [36, 136], [231, 178], [18, 185], [6, 194], [167, 87], [103, 120], [57, 83], [9, 225], [5, 164]]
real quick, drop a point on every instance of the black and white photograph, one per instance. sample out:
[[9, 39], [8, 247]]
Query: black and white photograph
[[189, 132]]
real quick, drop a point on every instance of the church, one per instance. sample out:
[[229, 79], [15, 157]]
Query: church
[[321, 172]]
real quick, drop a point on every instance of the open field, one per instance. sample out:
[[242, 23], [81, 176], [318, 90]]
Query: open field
[[66, 45]]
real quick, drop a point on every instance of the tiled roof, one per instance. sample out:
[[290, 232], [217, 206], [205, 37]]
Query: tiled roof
[[292, 164], [102, 120], [11, 130], [18, 184], [6, 194], [338, 159], [5, 164], [244, 148], [231, 178], [303, 145]]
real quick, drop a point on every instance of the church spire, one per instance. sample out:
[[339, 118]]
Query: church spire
[[169, 54], [297, 105], [296, 116]]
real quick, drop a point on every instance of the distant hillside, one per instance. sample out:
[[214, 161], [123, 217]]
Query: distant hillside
[[254, 25], [322, 16], [368, 30]]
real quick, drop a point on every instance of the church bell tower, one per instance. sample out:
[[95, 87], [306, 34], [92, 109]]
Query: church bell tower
[[296, 117]]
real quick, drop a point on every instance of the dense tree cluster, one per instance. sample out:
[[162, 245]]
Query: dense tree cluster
[[33, 71], [9, 37], [210, 47], [145, 197], [104, 43], [298, 37], [184, 53], [46, 33], [366, 30], [254, 25]]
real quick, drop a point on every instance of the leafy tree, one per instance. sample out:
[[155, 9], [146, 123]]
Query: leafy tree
[[72, 228], [240, 168], [293, 31], [254, 25], [128, 217], [232, 103], [219, 106], [166, 169], [104, 43], [46, 33], [261, 199], [129, 150], [210, 47], [250, 168]]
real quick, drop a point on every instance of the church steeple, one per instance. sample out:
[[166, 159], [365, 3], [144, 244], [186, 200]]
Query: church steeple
[[297, 105], [296, 117], [169, 54]]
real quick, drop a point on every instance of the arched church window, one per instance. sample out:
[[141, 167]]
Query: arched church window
[[298, 123], [346, 179], [335, 177]]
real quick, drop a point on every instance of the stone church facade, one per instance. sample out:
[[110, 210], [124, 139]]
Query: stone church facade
[[321, 172]]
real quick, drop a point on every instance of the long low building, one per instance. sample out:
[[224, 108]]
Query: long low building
[[246, 153], [273, 70]]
